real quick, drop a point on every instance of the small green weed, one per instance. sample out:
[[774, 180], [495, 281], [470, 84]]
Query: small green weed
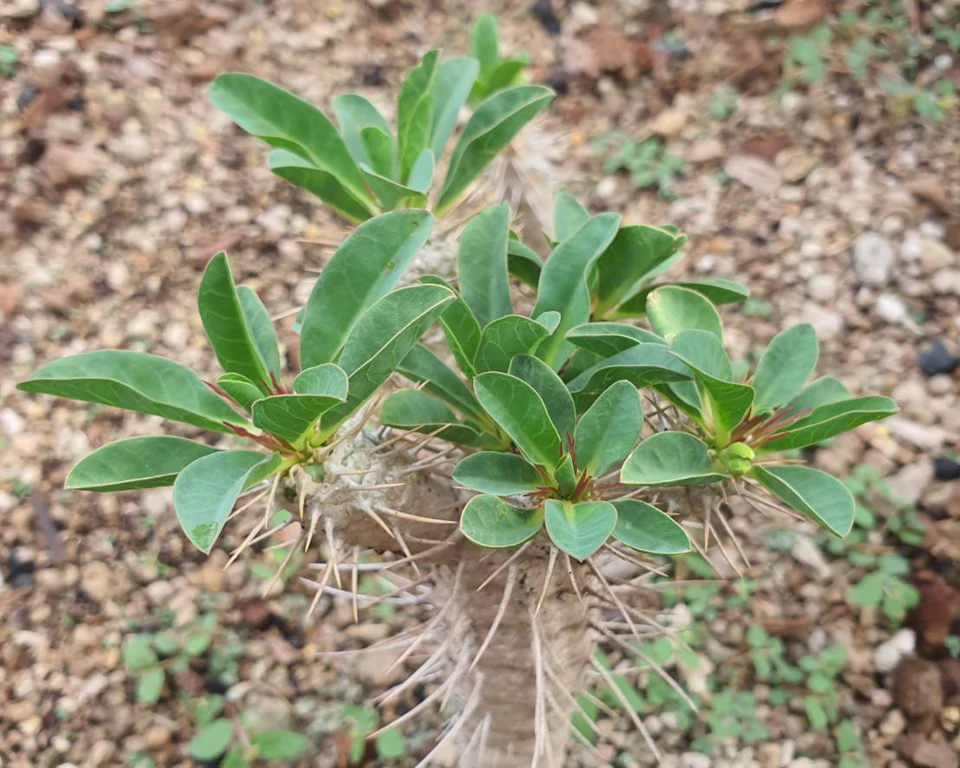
[[361, 722], [649, 163]]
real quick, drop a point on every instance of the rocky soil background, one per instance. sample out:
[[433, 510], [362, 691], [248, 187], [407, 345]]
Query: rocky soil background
[[835, 199]]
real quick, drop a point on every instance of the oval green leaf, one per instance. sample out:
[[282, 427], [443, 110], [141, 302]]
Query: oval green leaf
[[717, 290], [822, 391], [812, 493], [499, 474], [642, 365], [670, 458], [830, 420], [785, 365], [609, 429], [291, 417], [608, 339], [455, 78], [645, 528], [328, 379], [136, 382], [460, 329], [579, 529], [505, 338], [568, 216], [551, 389], [482, 264], [137, 462], [261, 328], [491, 522], [354, 113], [244, 392], [323, 185], [211, 741], [415, 112], [423, 367], [672, 310]]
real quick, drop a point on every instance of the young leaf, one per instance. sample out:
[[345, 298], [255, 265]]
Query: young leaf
[[579, 529], [812, 493], [563, 282], [225, 322], [551, 389], [489, 130], [415, 112], [137, 462], [381, 339], [150, 686], [568, 216], [136, 382], [523, 263], [455, 78], [423, 367], [484, 46], [293, 168], [500, 474], [361, 271], [292, 416], [278, 745], [645, 528], [328, 379], [642, 365], [421, 174], [672, 310], [240, 388], [261, 328], [506, 337], [565, 477], [717, 290], [211, 741], [390, 194], [728, 402], [670, 458], [381, 151], [635, 252], [354, 113], [785, 365], [460, 328], [608, 339], [609, 429], [822, 391], [482, 264], [415, 410], [205, 491], [521, 413], [286, 122], [830, 420], [490, 522]]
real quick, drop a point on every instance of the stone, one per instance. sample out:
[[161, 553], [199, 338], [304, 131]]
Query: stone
[[822, 287], [927, 438], [809, 554], [892, 309], [795, 163], [669, 122], [96, 581], [754, 172], [873, 258], [946, 281], [706, 150], [893, 724], [910, 482], [694, 760], [935, 255]]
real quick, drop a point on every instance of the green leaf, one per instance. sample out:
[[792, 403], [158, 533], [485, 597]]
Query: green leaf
[[642, 365], [670, 458], [421, 366], [672, 310], [565, 477], [286, 122], [415, 112], [380, 149], [390, 744], [551, 389], [261, 328], [278, 745], [507, 73], [411, 408], [489, 129], [482, 264], [484, 46], [629, 260], [354, 113], [521, 413], [523, 263], [293, 168], [240, 388], [822, 391], [609, 429], [421, 174], [505, 338], [455, 78], [608, 339], [460, 328], [490, 522], [150, 686], [868, 592], [579, 529], [361, 271], [812, 493], [136, 382], [827, 421], [291, 417], [717, 290], [226, 324], [816, 714], [205, 492], [568, 216], [137, 462], [785, 365], [645, 528], [728, 402], [211, 741], [328, 379], [390, 194], [138, 653], [563, 282], [500, 474], [381, 339]]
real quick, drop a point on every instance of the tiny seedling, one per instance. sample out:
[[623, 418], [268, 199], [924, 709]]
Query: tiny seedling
[[648, 163], [360, 723]]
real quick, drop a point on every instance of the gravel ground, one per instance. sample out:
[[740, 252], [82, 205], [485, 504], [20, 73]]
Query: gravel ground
[[120, 181]]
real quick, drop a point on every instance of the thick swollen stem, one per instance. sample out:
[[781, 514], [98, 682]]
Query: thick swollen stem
[[509, 668]]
